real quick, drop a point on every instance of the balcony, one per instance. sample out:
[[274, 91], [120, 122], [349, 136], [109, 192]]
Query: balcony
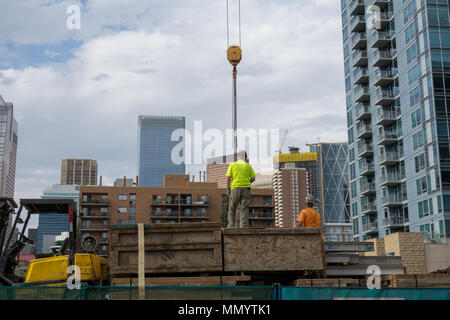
[[387, 117], [368, 208], [358, 23], [391, 179], [394, 222], [368, 188], [96, 216], [365, 150], [380, 3], [385, 97], [261, 205], [361, 75], [371, 227], [388, 137], [359, 40], [367, 169], [383, 20], [364, 131], [356, 7], [362, 94], [389, 158], [94, 202], [383, 58], [392, 201], [381, 39], [362, 111], [383, 78], [360, 58], [262, 216], [176, 215], [177, 202]]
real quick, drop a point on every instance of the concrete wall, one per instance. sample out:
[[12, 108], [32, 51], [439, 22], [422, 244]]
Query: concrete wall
[[437, 256]]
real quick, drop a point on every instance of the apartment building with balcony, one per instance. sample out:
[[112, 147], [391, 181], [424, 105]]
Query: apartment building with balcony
[[397, 68], [178, 201]]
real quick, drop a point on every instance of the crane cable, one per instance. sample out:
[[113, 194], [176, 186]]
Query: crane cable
[[228, 23]]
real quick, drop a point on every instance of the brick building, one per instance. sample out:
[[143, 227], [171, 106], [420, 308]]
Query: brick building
[[290, 189], [179, 200]]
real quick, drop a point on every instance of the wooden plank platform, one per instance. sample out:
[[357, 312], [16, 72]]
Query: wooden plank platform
[[273, 249], [419, 281], [341, 282], [183, 281]]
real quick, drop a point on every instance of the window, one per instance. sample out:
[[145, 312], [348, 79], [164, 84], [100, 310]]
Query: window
[[421, 185], [121, 221], [352, 172], [103, 247], [132, 211], [169, 211], [3, 117], [132, 198], [353, 188], [419, 162], [132, 221], [122, 210], [104, 197], [103, 211], [104, 235], [122, 197], [2, 127], [201, 198]]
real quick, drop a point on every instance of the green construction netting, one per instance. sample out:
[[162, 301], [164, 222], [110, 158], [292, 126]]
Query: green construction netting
[[301, 293], [132, 293]]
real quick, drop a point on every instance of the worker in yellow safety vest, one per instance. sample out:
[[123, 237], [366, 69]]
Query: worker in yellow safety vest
[[240, 175]]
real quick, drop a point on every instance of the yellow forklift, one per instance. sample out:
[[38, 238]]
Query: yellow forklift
[[51, 270]]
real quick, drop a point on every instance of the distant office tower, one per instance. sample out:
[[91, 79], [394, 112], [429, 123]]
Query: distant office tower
[[79, 172], [397, 69], [306, 160], [52, 225], [8, 149], [8, 152], [290, 189], [334, 190], [155, 149]]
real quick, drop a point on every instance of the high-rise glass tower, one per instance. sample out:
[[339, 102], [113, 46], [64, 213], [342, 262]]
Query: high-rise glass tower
[[397, 69], [8, 152], [157, 153], [333, 190]]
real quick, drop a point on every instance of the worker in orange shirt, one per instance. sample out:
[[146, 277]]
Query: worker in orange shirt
[[308, 217]]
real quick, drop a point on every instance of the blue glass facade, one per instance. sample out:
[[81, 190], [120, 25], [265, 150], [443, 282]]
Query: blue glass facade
[[51, 224], [396, 73], [155, 149]]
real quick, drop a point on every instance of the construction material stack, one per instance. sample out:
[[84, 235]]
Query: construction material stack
[[204, 254]]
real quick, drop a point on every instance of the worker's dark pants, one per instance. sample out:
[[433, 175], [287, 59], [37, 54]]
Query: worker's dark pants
[[238, 196]]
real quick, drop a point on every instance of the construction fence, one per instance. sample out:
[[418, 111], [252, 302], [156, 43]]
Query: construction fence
[[222, 293]]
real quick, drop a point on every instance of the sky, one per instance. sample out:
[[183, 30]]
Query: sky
[[77, 93]]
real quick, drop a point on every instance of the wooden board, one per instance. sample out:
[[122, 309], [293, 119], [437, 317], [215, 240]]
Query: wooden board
[[273, 249], [342, 282], [183, 281], [169, 248], [419, 280]]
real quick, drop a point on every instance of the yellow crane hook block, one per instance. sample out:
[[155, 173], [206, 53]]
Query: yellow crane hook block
[[234, 55]]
